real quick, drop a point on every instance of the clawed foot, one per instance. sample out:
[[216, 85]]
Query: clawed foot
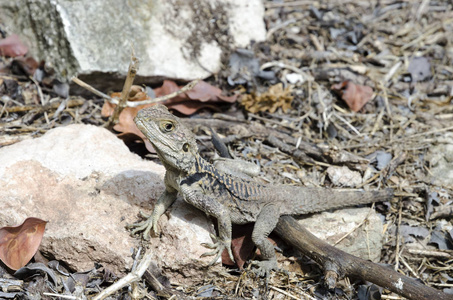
[[144, 226], [218, 247], [264, 268]]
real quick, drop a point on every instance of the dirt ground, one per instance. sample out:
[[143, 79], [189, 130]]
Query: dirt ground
[[373, 78]]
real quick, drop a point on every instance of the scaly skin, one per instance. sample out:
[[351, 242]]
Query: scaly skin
[[228, 198]]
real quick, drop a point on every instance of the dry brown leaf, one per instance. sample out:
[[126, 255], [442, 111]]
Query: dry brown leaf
[[12, 46], [18, 244], [276, 97], [204, 92], [242, 246], [201, 96], [126, 125], [355, 95], [27, 65]]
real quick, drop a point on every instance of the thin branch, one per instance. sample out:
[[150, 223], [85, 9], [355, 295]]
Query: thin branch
[[94, 91], [48, 106], [344, 264], [128, 279], [115, 100], [133, 69], [184, 89]]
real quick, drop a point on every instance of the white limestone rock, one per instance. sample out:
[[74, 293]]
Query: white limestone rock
[[88, 185], [176, 39], [364, 242]]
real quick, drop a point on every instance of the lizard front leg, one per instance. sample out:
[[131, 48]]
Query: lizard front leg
[[165, 200], [193, 194]]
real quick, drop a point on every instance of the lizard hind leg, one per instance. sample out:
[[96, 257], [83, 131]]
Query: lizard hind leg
[[265, 223]]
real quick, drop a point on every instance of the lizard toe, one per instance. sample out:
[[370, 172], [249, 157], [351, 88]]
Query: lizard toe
[[264, 268], [144, 226], [216, 252], [218, 247]]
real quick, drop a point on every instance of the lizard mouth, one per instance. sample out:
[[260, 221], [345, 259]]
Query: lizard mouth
[[143, 126]]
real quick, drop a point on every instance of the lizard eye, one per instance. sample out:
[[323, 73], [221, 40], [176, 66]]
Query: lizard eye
[[185, 147], [167, 126]]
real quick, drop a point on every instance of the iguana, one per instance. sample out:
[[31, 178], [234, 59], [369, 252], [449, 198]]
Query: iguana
[[228, 198]]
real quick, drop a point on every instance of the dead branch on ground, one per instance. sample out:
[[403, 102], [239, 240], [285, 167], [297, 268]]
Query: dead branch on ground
[[337, 264]]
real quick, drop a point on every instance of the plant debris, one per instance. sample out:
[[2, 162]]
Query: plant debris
[[276, 97], [355, 96], [420, 69], [390, 61], [203, 95], [245, 69]]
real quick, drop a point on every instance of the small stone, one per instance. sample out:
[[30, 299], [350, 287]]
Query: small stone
[[364, 242], [440, 157], [294, 78], [344, 177]]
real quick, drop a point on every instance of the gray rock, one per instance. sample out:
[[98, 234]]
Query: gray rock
[[440, 157], [365, 242], [88, 185], [343, 176], [174, 39]]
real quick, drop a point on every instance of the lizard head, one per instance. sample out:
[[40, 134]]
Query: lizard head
[[174, 143]]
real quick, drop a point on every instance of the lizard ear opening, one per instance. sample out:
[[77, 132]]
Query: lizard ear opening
[[185, 147]]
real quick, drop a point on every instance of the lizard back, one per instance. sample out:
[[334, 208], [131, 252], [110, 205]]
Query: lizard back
[[292, 200], [238, 187]]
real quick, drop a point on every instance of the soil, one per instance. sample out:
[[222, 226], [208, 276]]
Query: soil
[[315, 63]]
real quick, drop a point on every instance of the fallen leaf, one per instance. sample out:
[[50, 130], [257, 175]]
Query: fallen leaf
[[430, 198], [242, 246], [24, 66], [244, 67], [12, 46], [441, 239], [36, 268], [18, 244], [419, 232], [419, 68], [126, 123], [355, 95], [204, 92], [368, 292], [201, 96], [276, 97]]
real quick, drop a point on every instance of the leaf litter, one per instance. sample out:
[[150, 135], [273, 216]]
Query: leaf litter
[[203, 95], [401, 50]]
